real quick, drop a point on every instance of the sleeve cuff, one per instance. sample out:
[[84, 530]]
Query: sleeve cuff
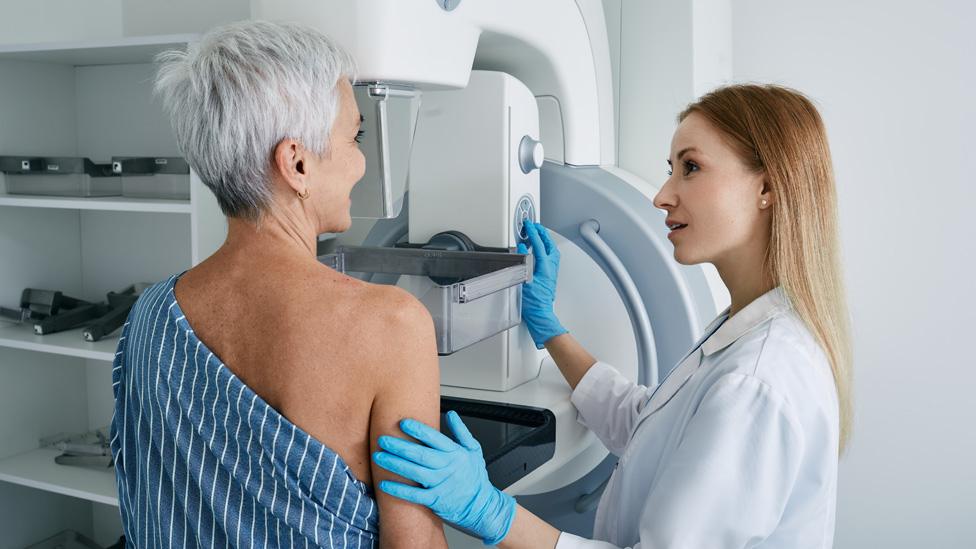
[[589, 387], [569, 541]]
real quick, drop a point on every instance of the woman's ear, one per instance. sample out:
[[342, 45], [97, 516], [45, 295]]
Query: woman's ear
[[766, 195], [290, 165]]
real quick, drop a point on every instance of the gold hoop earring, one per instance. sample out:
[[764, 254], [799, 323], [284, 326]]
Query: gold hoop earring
[[304, 194]]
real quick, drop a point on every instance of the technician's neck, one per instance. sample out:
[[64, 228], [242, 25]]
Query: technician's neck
[[745, 280]]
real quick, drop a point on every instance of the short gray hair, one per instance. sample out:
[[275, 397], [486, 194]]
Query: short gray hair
[[238, 92]]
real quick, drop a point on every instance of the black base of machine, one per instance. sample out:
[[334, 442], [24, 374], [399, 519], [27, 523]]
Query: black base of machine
[[515, 440]]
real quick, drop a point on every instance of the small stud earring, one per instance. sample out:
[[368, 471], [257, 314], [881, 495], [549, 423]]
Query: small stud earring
[[763, 203], [304, 194]]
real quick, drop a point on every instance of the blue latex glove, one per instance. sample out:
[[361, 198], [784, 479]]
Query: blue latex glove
[[452, 477], [538, 295]]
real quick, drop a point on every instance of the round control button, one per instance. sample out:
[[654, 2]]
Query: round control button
[[531, 154]]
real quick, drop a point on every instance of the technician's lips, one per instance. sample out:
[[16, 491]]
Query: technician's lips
[[674, 225]]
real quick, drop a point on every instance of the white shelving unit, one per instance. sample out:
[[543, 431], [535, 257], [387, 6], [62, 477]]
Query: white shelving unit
[[109, 203], [36, 469], [114, 51], [69, 343], [90, 99]]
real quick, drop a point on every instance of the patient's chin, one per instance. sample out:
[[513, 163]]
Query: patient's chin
[[339, 222]]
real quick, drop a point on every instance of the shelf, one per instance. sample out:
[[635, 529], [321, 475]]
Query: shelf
[[69, 343], [111, 203], [117, 51], [36, 469]]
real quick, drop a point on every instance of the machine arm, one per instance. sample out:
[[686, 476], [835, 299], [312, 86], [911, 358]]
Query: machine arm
[[646, 354], [558, 48]]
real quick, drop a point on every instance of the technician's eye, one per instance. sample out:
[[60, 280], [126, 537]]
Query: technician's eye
[[359, 136], [690, 167], [670, 171]]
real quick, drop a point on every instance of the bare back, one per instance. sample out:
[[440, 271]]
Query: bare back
[[325, 350], [299, 345]]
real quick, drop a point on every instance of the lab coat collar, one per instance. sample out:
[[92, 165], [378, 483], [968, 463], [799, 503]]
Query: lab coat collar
[[682, 372], [764, 307], [706, 334]]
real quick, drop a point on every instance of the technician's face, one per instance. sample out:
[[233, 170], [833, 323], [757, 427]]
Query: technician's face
[[342, 166], [711, 196]]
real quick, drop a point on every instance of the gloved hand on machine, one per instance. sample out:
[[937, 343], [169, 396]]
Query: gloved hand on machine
[[538, 296]]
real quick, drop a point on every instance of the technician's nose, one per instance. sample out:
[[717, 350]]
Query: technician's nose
[[666, 199]]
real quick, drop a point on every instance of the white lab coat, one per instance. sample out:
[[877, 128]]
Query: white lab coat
[[736, 448]]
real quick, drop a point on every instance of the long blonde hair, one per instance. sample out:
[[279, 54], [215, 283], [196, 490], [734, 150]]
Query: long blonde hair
[[778, 132]]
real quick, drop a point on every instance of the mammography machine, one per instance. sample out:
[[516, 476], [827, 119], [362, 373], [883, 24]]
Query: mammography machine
[[484, 113]]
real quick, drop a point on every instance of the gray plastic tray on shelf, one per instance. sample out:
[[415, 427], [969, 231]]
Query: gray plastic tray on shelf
[[153, 177], [21, 164], [59, 176]]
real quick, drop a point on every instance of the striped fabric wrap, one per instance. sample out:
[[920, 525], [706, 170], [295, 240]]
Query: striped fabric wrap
[[202, 461]]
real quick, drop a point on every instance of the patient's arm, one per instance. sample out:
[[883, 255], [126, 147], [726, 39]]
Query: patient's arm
[[410, 387]]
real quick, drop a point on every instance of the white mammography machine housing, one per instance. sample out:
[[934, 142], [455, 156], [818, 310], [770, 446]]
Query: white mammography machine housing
[[492, 88]]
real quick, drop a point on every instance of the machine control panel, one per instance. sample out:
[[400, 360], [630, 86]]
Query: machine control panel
[[524, 211]]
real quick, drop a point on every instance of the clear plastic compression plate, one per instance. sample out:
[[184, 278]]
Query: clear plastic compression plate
[[483, 296]]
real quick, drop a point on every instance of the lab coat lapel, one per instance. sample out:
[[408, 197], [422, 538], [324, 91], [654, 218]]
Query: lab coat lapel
[[680, 375], [725, 331], [675, 381], [721, 333]]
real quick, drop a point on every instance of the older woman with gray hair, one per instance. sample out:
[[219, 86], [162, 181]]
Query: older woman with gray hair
[[250, 390]]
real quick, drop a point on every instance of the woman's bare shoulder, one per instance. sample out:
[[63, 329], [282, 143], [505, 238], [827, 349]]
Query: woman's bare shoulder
[[390, 318]]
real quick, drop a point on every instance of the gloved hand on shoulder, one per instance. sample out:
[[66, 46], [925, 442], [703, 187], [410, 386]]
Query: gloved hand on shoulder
[[452, 477]]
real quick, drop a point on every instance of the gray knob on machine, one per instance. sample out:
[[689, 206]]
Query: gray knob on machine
[[531, 154]]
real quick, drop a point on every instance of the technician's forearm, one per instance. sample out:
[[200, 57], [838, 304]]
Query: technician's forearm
[[573, 360], [529, 532]]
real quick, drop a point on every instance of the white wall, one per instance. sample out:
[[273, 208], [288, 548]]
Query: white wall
[[895, 82]]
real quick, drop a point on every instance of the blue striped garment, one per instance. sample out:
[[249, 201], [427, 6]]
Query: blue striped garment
[[201, 460]]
